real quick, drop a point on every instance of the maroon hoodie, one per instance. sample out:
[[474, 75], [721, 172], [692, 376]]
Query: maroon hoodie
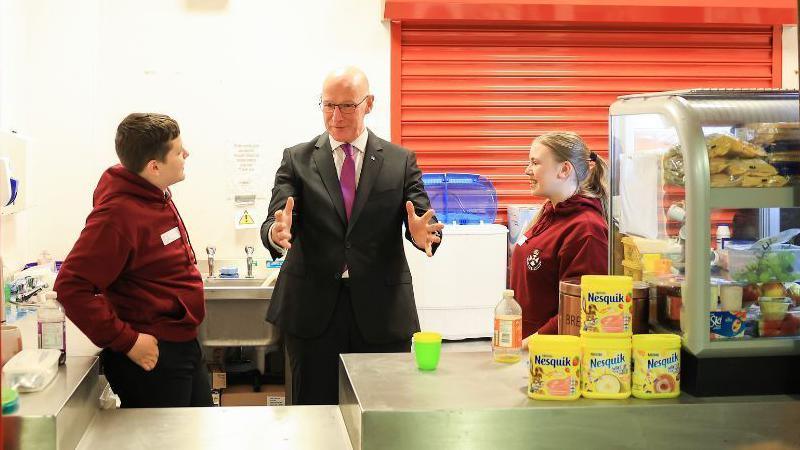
[[133, 268], [569, 240]]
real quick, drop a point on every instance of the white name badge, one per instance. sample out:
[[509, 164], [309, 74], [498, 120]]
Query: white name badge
[[170, 236], [521, 240]]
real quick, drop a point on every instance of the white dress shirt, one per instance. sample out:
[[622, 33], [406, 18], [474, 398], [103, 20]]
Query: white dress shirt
[[359, 146]]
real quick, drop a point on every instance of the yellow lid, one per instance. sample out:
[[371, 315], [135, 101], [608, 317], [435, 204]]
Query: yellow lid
[[565, 342], [608, 278], [661, 341], [600, 342], [427, 337]]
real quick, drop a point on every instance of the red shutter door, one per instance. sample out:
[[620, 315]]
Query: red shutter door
[[472, 97]]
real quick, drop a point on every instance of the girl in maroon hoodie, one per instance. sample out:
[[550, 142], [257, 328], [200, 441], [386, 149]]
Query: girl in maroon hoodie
[[569, 237]]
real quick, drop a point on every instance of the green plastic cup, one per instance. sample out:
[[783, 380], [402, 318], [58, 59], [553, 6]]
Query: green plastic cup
[[427, 348]]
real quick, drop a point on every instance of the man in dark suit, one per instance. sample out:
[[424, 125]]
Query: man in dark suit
[[338, 206]]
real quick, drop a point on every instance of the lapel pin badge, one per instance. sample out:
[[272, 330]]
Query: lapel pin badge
[[372, 157]]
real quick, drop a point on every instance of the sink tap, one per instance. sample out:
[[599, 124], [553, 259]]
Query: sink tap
[[211, 250], [250, 263]]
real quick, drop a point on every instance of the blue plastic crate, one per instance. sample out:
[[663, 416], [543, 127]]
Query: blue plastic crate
[[461, 198]]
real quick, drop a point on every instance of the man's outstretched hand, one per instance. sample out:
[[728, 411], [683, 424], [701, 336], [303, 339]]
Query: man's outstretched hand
[[281, 231], [423, 233]]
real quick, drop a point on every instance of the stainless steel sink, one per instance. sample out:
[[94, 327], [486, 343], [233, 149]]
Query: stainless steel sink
[[235, 312], [233, 282]]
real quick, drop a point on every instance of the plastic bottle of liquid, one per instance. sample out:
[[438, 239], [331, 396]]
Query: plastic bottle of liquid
[[723, 236], [507, 340], [52, 326]]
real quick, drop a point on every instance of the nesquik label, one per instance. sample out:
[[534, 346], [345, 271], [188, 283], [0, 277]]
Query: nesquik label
[[606, 306]]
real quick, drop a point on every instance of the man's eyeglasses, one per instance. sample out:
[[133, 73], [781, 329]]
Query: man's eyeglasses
[[344, 108]]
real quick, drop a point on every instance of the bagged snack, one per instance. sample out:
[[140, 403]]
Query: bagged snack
[[723, 145], [771, 181], [718, 145], [725, 180], [673, 166], [751, 167], [717, 165], [766, 133]]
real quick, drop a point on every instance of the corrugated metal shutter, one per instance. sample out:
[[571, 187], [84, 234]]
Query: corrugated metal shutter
[[472, 97]]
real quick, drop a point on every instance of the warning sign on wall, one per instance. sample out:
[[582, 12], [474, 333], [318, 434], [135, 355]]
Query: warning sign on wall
[[245, 219]]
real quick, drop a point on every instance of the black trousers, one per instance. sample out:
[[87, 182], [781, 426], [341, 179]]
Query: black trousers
[[179, 379], [315, 362]]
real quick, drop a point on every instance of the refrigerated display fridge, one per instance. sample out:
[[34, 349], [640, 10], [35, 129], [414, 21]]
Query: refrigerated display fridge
[[705, 207]]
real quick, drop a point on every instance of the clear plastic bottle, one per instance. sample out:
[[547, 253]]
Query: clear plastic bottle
[[52, 326], [507, 339], [723, 236]]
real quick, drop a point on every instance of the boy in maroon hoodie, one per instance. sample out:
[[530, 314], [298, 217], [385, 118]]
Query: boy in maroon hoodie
[[569, 237], [130, 283]]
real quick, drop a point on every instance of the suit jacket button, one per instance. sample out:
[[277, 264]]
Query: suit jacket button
[[347, 244]]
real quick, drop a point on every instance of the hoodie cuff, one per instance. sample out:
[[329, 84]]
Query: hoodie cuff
[[550, 327], [125, 341]]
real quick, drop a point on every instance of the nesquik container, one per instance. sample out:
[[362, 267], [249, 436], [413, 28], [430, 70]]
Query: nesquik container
[[606, 367], [555, 369], [569, 307], [606, 302], [656, 366]]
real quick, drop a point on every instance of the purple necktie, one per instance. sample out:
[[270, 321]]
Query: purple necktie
[[347, 179]]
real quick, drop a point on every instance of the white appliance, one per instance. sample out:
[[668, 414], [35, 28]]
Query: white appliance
[[457, 289]]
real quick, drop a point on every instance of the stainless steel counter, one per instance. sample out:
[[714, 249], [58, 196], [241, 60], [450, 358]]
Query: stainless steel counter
[[471, 402], [56, 416], [284, 427]]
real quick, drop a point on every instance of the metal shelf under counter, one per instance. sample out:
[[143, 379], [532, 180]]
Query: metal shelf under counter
[[472, 402]]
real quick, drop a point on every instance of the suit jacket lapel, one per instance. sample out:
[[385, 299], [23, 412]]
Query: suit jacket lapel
[[323, 158], [370, 168]]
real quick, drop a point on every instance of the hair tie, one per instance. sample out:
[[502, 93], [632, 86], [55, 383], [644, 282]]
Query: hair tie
[[593, 156]]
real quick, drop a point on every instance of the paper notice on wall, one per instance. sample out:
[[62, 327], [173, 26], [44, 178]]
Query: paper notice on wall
[[249, 177]]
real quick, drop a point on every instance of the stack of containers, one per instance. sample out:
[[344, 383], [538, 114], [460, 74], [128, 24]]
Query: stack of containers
[[606, 330], [607, 361]]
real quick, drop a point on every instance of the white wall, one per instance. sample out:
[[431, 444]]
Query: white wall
[[229, 71], [789, 75]]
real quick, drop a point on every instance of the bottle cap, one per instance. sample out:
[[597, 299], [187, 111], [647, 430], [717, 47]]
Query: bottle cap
[[507, 293]]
